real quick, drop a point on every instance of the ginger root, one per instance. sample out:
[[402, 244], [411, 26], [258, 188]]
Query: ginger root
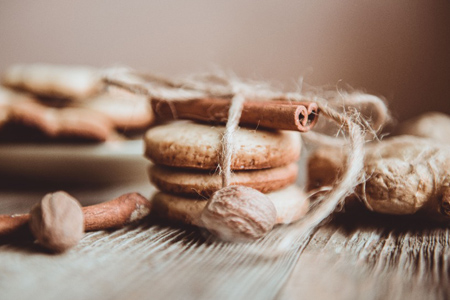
[[403, 175], [433, 125]]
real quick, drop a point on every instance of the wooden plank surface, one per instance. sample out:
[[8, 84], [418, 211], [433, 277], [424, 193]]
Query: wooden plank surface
[[355, 256], [370, 256]]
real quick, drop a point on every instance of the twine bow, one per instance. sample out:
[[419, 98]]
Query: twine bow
[[222, 86]]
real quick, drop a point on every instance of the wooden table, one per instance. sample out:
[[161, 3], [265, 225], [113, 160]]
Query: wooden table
[[355, 256]]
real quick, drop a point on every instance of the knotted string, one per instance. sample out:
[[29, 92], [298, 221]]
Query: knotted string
[[213, 85]]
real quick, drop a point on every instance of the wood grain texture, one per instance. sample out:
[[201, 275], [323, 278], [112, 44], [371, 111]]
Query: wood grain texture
[[402, 259], [355, 256]]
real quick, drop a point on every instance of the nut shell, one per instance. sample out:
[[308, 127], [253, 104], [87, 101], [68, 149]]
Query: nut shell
[[239, 214]]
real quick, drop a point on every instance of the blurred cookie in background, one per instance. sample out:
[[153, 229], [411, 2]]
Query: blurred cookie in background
[[53, 102], [71, 82]]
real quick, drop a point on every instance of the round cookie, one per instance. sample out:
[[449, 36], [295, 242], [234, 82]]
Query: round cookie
[[291, 204], [192, 145], [205, 183]]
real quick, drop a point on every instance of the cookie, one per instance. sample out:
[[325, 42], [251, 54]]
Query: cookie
[[205, 183], [291, 204], [125, 110], [64, 122], [4, 115], [72, 82], [55, 122], [5, 104], [192, 145], [93, 119]]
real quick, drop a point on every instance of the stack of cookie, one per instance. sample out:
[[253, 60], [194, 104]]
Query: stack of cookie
[[68, 102], [186, 157]]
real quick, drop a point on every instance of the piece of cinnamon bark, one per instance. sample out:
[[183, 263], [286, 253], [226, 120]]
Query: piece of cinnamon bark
[[282, 115]]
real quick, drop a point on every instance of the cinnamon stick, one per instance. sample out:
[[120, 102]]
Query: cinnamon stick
[[10, 224], [115, 213], [283, 115]]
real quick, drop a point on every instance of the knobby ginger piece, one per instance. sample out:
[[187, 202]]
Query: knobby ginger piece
[[404, 175], [433, 125]]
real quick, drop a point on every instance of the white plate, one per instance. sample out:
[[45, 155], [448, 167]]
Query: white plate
[[105, 162]]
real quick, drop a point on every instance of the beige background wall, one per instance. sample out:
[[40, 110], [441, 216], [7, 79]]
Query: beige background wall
[[396, 49]]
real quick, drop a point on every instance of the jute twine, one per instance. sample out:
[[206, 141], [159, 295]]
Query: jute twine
[[222, 85]]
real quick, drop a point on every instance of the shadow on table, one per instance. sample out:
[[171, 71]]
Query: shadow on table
[[350, 222]]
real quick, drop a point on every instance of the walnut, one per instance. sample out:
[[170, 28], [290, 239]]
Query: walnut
[[238, 213]]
